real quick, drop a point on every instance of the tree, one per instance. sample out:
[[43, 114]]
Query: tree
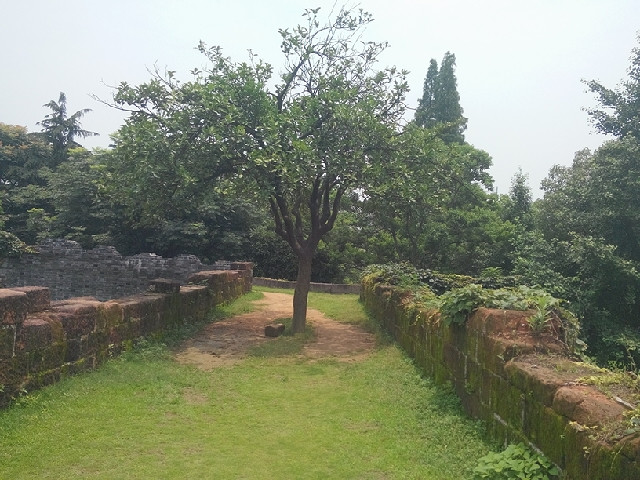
[[520, 200], [61, 130], [10, 245], [25, 160], [330, 119], [424, 115], [22, 156], [430, 206], [619, 110], [440, 102]]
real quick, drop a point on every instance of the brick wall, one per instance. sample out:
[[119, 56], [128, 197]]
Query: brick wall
[[313, 287], [523, 386], [69, 271], [42, 341]]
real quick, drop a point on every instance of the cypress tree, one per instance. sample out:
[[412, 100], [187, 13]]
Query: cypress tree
[[440, 102]]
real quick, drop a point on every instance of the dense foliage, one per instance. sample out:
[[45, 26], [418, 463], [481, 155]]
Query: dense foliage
[[457, 296]]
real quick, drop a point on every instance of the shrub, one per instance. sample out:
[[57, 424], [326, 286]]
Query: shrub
[[515, 462]]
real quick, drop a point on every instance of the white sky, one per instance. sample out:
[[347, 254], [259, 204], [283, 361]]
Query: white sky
[[519, 63]]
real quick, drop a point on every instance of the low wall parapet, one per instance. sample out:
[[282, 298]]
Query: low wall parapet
[[523, 385], [69, 271], [42, 341]]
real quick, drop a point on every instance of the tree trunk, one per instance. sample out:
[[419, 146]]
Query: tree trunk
[[301, 293]]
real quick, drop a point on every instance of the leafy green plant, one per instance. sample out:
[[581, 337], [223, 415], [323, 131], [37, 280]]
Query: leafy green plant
[[539, 320], [515, 462], [400, 274], [458, 303]]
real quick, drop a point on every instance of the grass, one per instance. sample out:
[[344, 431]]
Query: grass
[[244, 304], [143, 415]]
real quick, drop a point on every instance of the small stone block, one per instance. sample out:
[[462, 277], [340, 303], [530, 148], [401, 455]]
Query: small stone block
[[165, 285], [13, 307], [274, 330], [38, 298]]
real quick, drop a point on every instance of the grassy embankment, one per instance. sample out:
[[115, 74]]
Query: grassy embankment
[[143, 415]]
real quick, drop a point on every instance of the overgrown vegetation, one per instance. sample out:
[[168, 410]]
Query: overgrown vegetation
[[456, 296]]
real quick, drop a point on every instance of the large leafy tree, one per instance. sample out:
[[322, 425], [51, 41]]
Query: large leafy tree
[[45, 182], [431, 207], [440, 102], [618, 112], [303, 145], [588, 227], [25, 160]]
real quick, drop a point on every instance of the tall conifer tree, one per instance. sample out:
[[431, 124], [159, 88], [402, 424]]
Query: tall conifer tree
[[440, 102]]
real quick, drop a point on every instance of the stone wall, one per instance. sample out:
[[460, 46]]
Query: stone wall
[[524, 386], [69, 271], [42, 341], [314, 287]]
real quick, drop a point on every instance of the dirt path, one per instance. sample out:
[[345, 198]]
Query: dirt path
[[226, 342]]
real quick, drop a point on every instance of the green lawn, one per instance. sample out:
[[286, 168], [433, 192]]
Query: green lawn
[[145, 416]]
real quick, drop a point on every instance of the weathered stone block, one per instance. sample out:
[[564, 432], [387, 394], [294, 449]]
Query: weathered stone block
[[530, 377], [13, 307], [108, 315], [72, 368], [545, 428], [45, 359], [586, 405], [508, 402], [120, 334], [455, 362], [164, 285], [38, 298], [73, 351], [39, 332], [41, 379], [143, 310], [96, 341], [196, 300], [274, 330], [77, 315]]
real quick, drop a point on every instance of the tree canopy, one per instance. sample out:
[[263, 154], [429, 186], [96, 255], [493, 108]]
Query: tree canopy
[[304, 144], [618, 112]]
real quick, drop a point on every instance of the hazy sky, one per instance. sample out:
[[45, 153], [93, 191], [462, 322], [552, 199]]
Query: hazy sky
[[519, 63]]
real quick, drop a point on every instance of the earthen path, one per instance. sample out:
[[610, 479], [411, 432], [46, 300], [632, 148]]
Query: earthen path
[[227, 342]]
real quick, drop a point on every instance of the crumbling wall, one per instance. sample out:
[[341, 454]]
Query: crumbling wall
[[69, 271], [522, 385], [42, 341]]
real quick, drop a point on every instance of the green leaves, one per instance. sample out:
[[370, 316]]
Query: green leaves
[[515, 462], [619, 109], [457, 304], [440, 103]]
